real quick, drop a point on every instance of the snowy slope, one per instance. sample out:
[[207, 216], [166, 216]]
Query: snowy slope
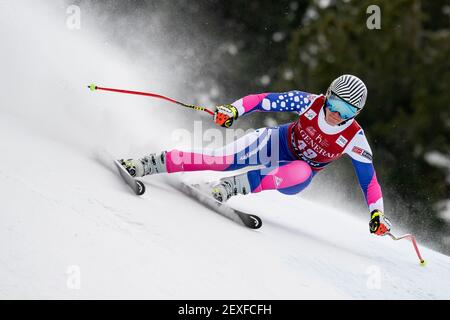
[[64, 208], [167, 246]]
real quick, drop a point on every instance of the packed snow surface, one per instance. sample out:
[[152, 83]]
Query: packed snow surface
[[71, 229]]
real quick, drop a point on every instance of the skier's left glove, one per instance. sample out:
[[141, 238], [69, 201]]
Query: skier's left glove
[[379, 224], [225, 115]]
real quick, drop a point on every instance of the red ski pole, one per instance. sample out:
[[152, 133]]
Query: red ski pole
[[93, 87], [413, 240]]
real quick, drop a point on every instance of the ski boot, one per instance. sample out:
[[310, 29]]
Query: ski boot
[[230, 186], [147, 165]]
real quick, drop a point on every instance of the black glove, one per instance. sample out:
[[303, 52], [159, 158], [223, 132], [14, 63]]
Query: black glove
[[378, 223], [224, 115]]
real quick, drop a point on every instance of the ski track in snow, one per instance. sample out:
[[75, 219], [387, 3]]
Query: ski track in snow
[[63, 204], [167, 246]]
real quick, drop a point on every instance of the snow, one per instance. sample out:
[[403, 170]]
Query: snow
[[71, 229]]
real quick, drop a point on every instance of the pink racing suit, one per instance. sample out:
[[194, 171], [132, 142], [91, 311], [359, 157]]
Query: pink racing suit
[[291, 154]]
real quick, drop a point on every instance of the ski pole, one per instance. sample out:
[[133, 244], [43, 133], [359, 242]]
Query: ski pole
[[94, 87], [413, 240]]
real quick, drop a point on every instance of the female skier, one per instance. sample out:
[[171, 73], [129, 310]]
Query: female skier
[[292, 153]]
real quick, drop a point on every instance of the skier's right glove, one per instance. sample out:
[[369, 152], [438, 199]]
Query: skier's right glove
[[379, 224], [224, 115]]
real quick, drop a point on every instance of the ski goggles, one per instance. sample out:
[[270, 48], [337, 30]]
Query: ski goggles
[[345, 109]]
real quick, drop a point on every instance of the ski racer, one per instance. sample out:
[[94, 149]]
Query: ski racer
[[291, 154]]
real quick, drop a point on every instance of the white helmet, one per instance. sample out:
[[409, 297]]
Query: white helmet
[[349, 88]]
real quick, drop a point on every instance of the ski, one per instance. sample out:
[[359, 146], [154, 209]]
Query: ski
[[194, 191], [248, 220], [136, 185]]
